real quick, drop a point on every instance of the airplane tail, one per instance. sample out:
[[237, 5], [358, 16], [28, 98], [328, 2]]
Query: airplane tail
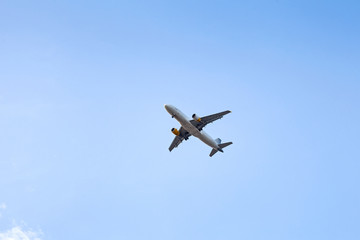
[[213, 151], [221, 146], [224, 145]]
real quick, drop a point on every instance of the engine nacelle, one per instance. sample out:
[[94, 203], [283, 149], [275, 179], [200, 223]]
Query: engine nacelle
[[196, 117], [175, 131]]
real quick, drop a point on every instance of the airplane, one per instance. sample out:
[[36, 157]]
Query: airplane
[[194, 128]]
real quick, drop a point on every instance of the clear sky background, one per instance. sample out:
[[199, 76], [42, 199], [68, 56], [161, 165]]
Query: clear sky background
[[84, 135]]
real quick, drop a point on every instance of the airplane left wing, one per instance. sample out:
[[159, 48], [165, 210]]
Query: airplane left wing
[[176, 142], [208, 119], [178, 139]]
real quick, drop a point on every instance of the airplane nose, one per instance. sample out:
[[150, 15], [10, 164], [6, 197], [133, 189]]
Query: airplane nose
[[168, 108]]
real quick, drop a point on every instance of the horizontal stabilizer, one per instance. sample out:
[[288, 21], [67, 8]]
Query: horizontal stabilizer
[[213, 151], [223, 145]]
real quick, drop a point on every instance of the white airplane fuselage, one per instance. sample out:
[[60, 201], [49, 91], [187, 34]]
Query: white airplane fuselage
[[186, 124]]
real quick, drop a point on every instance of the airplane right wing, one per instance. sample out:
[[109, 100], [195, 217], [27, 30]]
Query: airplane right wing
[[208, 119], [178, 139]]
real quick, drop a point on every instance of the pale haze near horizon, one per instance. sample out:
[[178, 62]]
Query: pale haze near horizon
[[84, 133]]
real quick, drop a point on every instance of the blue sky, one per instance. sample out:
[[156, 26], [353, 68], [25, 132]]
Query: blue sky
[[84, 134]]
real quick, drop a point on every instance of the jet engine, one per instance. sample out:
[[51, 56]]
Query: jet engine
[[175, 131], [196, 117]]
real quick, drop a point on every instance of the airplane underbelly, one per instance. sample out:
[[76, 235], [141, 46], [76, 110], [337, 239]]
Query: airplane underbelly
[[207, 140], [191, 129], [195, 132], [187, 125]]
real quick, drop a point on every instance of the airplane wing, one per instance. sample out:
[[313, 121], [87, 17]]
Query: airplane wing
[[178, 139], [208, 119]]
